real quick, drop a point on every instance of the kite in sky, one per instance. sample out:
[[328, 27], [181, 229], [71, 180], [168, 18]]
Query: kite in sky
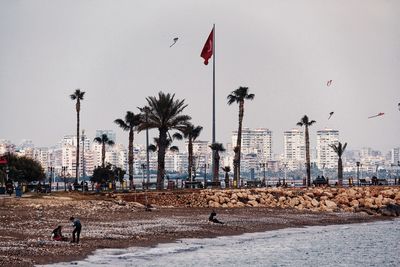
[[175, 40], [377, 115], [330, 114], [329, 83]]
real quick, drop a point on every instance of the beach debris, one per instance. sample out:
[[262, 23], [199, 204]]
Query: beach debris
[[174, 41], [377, 115], [328, 83], [330, 114]]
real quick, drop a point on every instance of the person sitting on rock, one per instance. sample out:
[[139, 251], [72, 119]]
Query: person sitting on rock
[[57, 235], [212, 219]]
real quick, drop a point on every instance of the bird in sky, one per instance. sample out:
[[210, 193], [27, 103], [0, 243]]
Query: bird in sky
[[175, 40], [377, 115], [330, 114], [328, 83]]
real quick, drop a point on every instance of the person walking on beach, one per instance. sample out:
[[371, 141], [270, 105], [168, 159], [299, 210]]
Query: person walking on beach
[[77, 229]]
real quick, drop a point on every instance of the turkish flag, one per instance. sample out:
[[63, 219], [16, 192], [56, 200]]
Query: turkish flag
[[207, 51]]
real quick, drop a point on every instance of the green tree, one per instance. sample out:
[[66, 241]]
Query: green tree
[[102, 174], [305, 121], [24, 169], [227, 170], [130, 124], [191, 133], [78, 96], [103, 141], [216, 148], [239, 96], [119, 174], [165, 114], [339, 150]]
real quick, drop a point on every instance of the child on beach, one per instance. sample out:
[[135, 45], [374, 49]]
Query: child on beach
[[56, 235], [77, 229]]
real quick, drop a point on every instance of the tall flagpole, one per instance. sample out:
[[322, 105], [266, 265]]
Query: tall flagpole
[[213, 126], [213, 115]]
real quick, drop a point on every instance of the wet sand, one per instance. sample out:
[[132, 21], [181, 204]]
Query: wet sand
[[27, 223]]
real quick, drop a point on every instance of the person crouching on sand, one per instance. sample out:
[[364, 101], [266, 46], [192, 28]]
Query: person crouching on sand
[[56, 235], [77, 229]]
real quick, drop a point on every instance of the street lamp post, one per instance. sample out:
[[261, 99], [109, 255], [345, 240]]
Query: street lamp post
[[285, 168], [50, 169], [63, 170], [83, 161], [358, 173], [206, 165], [263, 165], [143, 168]]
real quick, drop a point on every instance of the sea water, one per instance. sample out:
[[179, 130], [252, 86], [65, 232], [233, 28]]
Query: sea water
[[364, 244]]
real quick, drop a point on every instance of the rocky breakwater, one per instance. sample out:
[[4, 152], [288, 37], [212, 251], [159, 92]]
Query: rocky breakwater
[[367, 199], [354, 199]]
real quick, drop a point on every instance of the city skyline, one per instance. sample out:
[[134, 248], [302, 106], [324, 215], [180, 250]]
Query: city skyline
[[285, 53]]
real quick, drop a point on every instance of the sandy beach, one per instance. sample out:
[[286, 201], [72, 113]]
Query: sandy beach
[[26, 224]]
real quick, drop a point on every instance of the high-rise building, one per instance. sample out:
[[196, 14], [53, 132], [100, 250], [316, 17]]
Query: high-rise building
[[326, 156], [395, 155], [294, 149], [257, 141], [6, 147]]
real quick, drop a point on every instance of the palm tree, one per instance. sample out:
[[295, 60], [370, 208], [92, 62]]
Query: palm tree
[[339, 149], [103, 141], [216, 148], [191, 133], [306, 123], [78, 96], [239, 96], [226, 169], [130, 124], [164, 114]]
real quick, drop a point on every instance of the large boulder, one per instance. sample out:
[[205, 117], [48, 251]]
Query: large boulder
[[330, 205], [314, 203]]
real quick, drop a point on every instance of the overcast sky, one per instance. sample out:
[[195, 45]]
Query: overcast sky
[[284, 51]]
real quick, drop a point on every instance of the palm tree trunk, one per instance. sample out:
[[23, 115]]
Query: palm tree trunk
[[190, 167], [235, 163], [162, 139], [239, 142], [226, 180], [340, 171], [216, 167], [130, 158], [77, 140], [308, 156], [103, 153]]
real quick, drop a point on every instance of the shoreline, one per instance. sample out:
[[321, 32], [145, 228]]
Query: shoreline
[[26, 225], [153, 243]]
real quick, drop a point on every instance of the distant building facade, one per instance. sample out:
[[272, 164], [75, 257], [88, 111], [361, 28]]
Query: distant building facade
[[294, 149], [326, 156]]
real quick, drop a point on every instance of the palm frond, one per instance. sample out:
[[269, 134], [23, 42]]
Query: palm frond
[[152, 148], [174, 149], [122, 124], [177, 136]]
